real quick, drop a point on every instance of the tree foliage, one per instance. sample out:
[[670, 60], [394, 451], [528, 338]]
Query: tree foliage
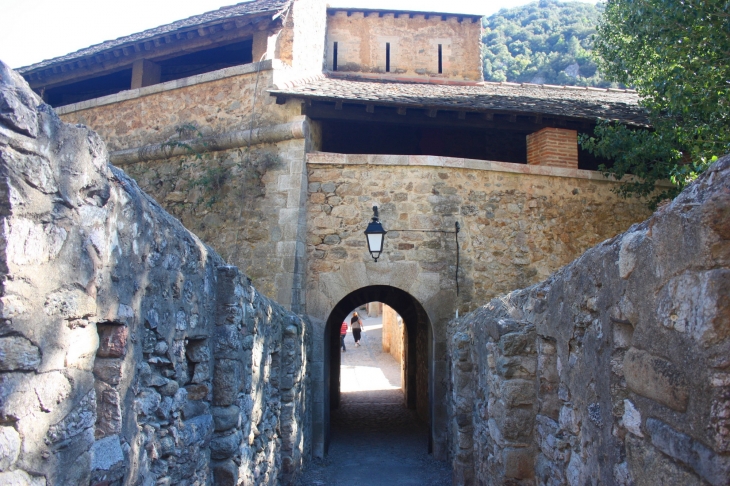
[[676, 53], [548, 42]]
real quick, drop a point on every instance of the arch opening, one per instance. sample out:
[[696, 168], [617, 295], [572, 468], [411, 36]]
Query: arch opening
[[417, 351]]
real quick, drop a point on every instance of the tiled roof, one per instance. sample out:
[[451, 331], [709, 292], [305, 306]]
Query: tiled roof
[[241, 9], [566, 101]]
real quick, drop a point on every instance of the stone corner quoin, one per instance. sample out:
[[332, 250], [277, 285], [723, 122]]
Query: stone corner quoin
[[129, 350]]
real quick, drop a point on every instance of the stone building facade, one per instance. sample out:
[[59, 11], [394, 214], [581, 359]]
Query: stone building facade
[[240, 125]]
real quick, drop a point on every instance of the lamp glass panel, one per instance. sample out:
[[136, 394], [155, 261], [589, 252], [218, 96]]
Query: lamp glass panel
[[375, 242]]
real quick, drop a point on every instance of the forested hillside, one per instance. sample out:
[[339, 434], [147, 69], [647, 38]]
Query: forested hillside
[[546, 42]]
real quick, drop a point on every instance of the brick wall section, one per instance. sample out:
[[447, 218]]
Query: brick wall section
[[553, 147]]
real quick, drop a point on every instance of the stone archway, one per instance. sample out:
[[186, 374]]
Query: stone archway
[[324, 293], [418, 351]]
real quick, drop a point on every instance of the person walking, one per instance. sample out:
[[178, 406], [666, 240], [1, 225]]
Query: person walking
[[357, 327], [343, 333]]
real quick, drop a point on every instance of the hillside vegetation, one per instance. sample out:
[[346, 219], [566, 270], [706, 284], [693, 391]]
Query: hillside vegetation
[[546, 42]]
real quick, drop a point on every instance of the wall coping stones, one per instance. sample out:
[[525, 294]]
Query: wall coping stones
[[325, 158], [131, 94]]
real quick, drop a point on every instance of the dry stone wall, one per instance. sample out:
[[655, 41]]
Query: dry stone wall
[[130, 352], [613, 370]]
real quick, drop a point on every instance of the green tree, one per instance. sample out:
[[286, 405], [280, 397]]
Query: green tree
[[676, 53], [543, 42]]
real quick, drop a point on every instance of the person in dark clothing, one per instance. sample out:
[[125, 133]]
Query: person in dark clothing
[[343, 333], [357, 327]]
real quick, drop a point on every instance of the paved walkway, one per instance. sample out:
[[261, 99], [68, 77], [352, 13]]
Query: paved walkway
[[376, 440]]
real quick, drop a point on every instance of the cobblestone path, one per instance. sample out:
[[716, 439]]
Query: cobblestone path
[[376, 440]]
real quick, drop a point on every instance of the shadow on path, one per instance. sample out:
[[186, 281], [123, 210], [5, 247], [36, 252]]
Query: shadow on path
[[375, 439]]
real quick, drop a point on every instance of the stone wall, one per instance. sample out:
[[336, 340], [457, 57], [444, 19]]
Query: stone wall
[[413, 39], [130, 352], [518, 223], [613, 370], [245, 200], [393, 333]]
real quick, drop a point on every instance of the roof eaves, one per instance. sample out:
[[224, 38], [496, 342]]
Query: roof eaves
[[197, 21]]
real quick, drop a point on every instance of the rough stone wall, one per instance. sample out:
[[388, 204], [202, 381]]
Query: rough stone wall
[[517, 226], [361, 45], [392, 333], [615, 369], [519, 223], [221, 105], [130, 353], [245, 201]]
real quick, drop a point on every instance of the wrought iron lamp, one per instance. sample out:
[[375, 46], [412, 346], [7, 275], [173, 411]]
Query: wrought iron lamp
[[376, 238], [375, 235]]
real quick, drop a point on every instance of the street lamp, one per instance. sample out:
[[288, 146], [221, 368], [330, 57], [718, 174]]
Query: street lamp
[[375, 235]]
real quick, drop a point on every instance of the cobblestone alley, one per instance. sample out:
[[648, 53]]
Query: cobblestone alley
[[376, 440]]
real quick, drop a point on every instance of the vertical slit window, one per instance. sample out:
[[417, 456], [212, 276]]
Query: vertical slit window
[[441, 60], [387, 57], [334, 57]]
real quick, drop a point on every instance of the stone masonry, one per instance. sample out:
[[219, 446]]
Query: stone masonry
[[130, 352], [613, 370]]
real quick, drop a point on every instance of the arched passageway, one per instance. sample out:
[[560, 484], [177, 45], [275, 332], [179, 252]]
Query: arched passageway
[[378, 408], [417, 349]]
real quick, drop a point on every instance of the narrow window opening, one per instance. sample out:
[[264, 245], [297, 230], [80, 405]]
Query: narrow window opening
[[334, 57], [441, 57], [387, 57]]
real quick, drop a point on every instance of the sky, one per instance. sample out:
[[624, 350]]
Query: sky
[[34, 30]]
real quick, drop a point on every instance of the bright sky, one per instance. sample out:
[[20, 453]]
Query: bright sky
[[34, 30]]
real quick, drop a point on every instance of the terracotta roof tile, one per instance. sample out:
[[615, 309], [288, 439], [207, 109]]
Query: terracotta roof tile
[[575, 102]]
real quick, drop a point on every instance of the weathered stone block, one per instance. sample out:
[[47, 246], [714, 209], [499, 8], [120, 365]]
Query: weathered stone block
[[225, 473], [18, 353], [201, 373], [108, 370], [112, 341], [656, 378], [517, 393], [518, 463], [21, 478], [9, 447], [197, 392], [193, 408], [226, 382], [226, 417], [106, 453], [517, 366], [649, 467], [225, 447], [198, 351], [712, 467], [518, 343], [198, 430]]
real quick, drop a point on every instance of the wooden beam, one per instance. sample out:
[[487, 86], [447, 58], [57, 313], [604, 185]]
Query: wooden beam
[[338, 105], [415, 117], [402, 110], [432, 113]]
